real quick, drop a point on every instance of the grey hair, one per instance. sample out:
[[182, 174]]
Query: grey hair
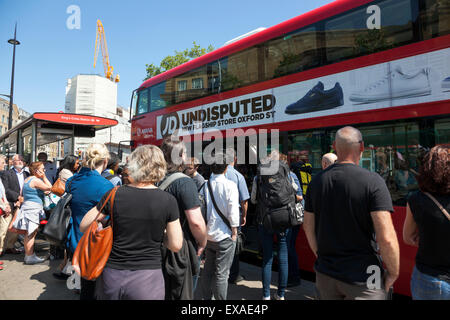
[[21, 157], [348, 135], [328, 159], [147, 164]]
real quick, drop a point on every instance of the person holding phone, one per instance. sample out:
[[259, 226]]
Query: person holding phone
[[32, 208]]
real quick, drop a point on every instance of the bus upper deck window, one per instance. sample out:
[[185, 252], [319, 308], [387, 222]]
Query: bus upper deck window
[[371, 28], [435, 18]]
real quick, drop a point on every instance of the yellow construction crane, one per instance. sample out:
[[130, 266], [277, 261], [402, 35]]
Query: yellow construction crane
[[101, 40]]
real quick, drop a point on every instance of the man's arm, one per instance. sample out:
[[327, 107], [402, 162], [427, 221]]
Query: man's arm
[[388, 243], [299, 191], [233, 214], [198, 227], [244, 207], [187, 195], [254, 190], [243, 197], [309, 227], [173, 239]]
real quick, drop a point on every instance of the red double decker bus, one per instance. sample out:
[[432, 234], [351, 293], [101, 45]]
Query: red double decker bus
[[381, 66]]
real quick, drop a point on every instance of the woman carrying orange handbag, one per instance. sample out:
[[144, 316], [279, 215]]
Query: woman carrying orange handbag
[[143, 218]]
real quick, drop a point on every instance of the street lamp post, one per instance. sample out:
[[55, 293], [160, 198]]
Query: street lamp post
[[14, 42]]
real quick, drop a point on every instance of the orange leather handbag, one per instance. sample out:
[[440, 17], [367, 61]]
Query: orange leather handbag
[[59, 188], [95, 246]]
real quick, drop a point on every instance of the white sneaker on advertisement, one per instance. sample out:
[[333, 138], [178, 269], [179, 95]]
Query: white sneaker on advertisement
[[266, 298], [395, 85], [33, 259]]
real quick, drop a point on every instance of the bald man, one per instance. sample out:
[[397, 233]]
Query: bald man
[[328, 159], [347, 211]]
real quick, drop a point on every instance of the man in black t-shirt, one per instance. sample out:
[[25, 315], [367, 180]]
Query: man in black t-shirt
[[347, 213], [194, 228]]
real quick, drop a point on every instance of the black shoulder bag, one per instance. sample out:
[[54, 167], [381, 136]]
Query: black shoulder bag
[[240, 236], [57, 226]]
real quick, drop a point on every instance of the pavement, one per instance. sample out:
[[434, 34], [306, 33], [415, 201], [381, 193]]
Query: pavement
[[35, 282]]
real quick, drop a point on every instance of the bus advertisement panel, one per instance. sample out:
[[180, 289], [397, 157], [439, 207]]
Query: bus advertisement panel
[[413, 80]]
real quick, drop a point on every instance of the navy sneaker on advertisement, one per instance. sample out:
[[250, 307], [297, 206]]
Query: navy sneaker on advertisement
[[446, 84], [318, 99]]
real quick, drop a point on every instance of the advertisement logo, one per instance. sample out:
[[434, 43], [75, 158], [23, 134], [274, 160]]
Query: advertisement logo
[[222, 115], [169, 123]]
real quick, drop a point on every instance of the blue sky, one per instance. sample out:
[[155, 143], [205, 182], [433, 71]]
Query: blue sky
[[137, 32]]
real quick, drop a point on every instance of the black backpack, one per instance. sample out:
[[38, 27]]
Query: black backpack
[[276, 195], [57, 227]]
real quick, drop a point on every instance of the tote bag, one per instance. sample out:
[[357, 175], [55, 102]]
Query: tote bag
[[95, 245]]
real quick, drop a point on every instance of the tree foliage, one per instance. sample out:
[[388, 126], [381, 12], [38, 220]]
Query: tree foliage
[[177, 59]]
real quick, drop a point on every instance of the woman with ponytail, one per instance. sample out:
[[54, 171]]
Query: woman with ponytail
[[87, 188]]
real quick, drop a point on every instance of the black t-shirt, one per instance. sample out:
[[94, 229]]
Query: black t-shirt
[[185, 192], [140, 217], [433, 255], [341, 198]]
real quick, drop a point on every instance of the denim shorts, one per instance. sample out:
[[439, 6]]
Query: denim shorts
[[426, 287]]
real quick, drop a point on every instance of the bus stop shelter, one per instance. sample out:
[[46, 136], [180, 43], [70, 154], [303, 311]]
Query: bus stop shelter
[[45, 128]]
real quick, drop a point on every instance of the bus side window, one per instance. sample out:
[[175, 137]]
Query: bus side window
[[239, 69], [393, 151], [294, 52], [442, 132], [435, 18], [157, 100], [188, 86], [379, 26]]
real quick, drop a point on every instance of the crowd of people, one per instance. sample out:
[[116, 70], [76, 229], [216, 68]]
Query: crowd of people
[[167, 219]]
